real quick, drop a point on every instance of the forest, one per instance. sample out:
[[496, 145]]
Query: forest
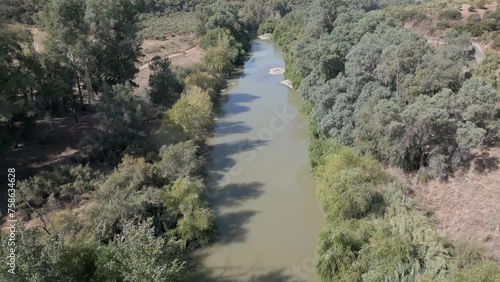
[[377, 96], [142, 168]]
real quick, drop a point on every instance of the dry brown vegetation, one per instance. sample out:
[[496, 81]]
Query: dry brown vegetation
[[467, 206], [183, 50]]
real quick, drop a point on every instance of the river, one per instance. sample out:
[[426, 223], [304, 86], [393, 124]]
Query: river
[[267, 215]]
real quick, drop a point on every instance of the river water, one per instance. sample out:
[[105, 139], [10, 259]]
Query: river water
[[267, 215]]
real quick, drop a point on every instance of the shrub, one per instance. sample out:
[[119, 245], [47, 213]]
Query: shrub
[[164, 88], [122, 121], [206, 81], [268, 26], [64, 183], [179, 161], [191, 116], [481, 4], [474, 18], [184, 200], [486, 271], [138, 254], [450, 14], [128, 193]]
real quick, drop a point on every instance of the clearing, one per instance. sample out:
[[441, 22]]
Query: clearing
[[182, 50], [467, 206]]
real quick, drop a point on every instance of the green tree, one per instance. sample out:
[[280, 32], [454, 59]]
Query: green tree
[[164, 88], [192, 114], [122, 119], [184, 201], [138, 255], [179, 160]]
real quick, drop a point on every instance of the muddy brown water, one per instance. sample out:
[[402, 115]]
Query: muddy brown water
[[267, 215]]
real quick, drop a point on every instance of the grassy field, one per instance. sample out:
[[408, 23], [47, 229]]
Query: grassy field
[[165, 26]]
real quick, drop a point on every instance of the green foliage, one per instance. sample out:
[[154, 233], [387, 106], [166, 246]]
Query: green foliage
[[184, 200], [267, 26], [171, 24], [20, 10], [164, 88], [65, 183], [487, 271], [488, 69], [179, 160], [450, 14], [191, 117], [138, 255], [223, 15], [372, 84], [211, 83], [122, 120], [221, 50], [383, 89], [135, 255], [16, 73], [124, 195], [374, 232], [33, 259]]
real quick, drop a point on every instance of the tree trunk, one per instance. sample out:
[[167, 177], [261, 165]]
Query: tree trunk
[[88, 82], [80, 95]]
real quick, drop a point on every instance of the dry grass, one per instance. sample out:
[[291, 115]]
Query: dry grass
[[467, 207], [167, 47], [39, 36], [182, 51]]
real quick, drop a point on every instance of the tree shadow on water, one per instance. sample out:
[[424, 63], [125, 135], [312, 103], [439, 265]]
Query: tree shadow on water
[[221, 154], [233, 195], [231, 227], [234, 103], [225, 128], [228, 273]]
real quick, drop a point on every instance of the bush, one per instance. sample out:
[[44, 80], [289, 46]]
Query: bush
[[486, 271], [137, 254], [184, 200], [474, 18], [65, 183], [179, 161], [164, 88], [122, 121], [128, 193], [206, 81], [191, 117], [268, 26], [482, 4], [450, 14]]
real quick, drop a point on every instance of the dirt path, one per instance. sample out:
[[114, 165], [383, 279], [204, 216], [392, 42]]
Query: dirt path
[[186, 52], [479, 49]]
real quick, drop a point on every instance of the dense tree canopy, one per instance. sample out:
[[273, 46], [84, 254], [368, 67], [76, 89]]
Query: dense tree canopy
[[385, 92], [383, 89]]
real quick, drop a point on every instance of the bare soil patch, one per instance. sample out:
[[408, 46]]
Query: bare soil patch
[[39, 36], [182, 51], [54, 143], [167, 47]]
